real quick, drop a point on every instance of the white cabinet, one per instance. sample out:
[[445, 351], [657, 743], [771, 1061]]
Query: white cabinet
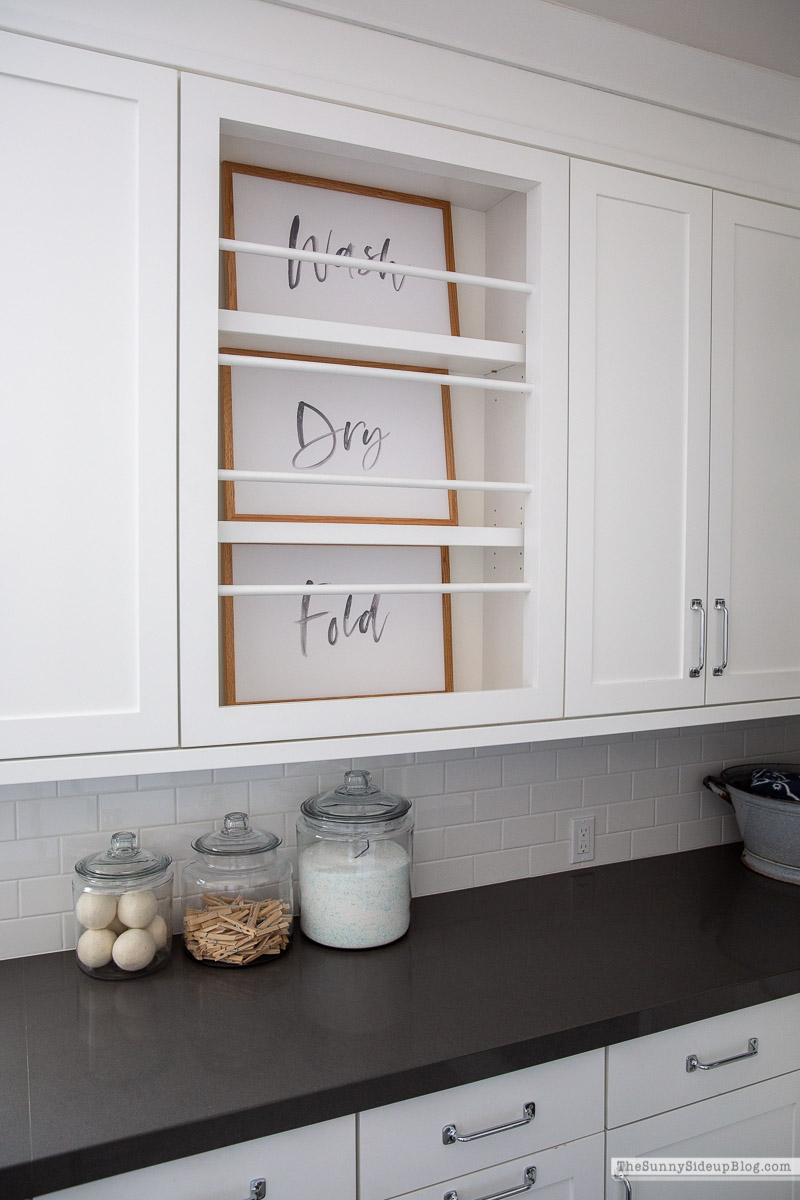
[[754, 567], [761, 1121], [319, 1160], [657, 587], [430, 1140], [88, 623], [509, 412], [637, 526], [742, 1102]]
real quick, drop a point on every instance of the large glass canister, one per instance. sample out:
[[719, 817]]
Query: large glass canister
[[354, 865], [123, 910], [238, 896]]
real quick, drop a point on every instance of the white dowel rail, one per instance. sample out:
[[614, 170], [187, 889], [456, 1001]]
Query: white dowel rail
[[450, 485], [233, 245], [339, 368], [368, 589]]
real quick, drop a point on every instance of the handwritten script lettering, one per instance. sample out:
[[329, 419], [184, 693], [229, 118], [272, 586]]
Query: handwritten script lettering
[[319, 439], [366, 622], [346, 251]]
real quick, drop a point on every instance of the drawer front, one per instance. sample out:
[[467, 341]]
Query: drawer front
[[563, 1173], [761, 1121], [319, 1160], [648, 1075], [402, 1148]]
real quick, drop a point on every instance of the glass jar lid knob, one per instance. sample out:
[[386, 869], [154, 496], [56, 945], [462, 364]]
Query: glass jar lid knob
[[235, 824], [124, 844]]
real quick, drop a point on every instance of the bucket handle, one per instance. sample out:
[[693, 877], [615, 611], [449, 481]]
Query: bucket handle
[[715, 785]]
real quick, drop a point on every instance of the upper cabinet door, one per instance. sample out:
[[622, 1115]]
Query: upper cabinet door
[[754, 555], [87, 454], [639, 415]]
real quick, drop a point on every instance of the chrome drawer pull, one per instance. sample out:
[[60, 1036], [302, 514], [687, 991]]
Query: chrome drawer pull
[[529, 1175], [626, 1184], [722, 607], [696, 672], [450, 1134], [694, 1064], [258, 1189]]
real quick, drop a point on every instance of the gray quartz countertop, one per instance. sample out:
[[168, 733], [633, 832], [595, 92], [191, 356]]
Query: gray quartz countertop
[[102, 1077]]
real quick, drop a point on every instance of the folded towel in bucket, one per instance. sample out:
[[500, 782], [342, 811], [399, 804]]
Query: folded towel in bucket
[[781, 785]]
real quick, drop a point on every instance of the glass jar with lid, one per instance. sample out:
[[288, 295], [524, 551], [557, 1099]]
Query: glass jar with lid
[[354, 865], [123, 910], [238, 896]]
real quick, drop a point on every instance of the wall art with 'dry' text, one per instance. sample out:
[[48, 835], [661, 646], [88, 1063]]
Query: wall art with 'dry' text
[[306, 647], [320, 424], [304, 212]]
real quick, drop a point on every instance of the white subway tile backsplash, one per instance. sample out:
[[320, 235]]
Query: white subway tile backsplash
[[8, 822], [476, 838], [473, 773], [529, 831], [503, 802], [662, 839], [50, 894], [694, 834], [562, 793], [449, 876], [428, 845], [536, 767], [28, 857], [63, 814], [30, 935], [436, 812], [663, 781], [631, 756], [549, 857], [631, 814], [481, 816], [9, 899], [672, 809], [131, 810], [566, 816], [607, 789], [586, 760], [501, 866], [93, 787], [211, 801]]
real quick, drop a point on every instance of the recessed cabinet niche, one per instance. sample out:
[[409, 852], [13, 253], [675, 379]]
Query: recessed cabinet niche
[[501, 566]]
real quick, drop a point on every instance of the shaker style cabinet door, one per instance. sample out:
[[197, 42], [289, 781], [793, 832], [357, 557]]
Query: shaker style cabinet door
[[87, 455], [638, 469], [754, 564]]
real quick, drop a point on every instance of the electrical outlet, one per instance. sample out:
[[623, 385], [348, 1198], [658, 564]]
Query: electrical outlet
[[582, 839]]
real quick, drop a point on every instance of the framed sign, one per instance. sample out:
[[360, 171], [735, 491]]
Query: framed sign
[[301, 211], [298, 421], [312, 647]]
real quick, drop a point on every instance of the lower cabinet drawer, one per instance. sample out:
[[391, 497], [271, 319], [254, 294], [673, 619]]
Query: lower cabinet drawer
[[319, 1160], [648, 1075], [403, 1147], [760, 1121], [570, 1172]]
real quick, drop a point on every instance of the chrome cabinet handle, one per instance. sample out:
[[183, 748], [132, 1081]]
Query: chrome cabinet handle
[[722, 607], [528, 1175], [626, 1183], [450, 1134], [697, 606], [258, 1189], [693, 1063]]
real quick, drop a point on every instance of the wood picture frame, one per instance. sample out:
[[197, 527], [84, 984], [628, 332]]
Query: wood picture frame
[[287, 648], [282, 420], [282, 208]]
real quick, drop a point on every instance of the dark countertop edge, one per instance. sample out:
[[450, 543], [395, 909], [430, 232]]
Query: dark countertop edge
[[130, 1154]]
